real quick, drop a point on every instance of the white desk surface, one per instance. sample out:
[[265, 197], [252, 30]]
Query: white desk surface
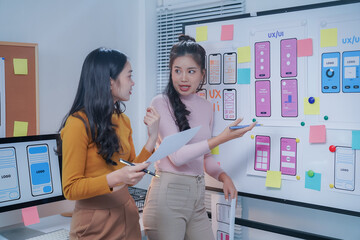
[[52, 223]]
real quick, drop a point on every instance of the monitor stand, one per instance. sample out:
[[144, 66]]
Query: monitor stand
[[18, 232]]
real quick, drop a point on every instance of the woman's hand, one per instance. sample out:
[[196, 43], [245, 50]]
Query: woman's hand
[[228, 187], [152, 120], [229, 134], [130, 175]]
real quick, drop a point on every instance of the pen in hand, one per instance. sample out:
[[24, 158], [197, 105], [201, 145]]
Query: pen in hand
[[144, 170], [243, 126]]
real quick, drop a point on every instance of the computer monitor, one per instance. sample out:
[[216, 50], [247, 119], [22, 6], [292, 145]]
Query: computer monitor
[[30, 172]]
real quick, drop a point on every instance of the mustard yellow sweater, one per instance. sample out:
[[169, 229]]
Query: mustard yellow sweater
[[84, 170]]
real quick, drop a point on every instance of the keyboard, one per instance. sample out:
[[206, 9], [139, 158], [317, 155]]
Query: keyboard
[[61, 234]]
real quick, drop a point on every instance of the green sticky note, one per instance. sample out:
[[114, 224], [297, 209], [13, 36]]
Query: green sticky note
[[273, 179], [20, 128], [201, 34], [215, 150], [20, 66], [243, 76], [328, 37], [313, 180], [243, 54], [311, 109], [355, 139]]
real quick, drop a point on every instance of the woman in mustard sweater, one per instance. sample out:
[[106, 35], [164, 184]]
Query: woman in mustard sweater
[[95, 134]]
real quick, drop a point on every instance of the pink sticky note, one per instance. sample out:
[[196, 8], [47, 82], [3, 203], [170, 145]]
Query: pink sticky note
[[227, 32], [317, 134], [30, 215], [304, 47]]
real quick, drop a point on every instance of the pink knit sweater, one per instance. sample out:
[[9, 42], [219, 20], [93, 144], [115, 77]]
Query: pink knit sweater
[[195, 157]]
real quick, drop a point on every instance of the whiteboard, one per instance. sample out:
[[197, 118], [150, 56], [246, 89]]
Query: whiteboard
[[297, 72]]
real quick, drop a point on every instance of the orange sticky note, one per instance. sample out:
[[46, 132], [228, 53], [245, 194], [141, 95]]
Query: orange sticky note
[[227, 32], [30, 215], [317, 134], [304, 47]]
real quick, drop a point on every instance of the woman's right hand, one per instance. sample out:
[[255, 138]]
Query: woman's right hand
[[130, 175]]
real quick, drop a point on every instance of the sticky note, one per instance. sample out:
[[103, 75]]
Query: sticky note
[[317, 134], [20, 66], [355, 139], [201, 34], [312, 109], [20, 128], [227, 32], [243, 54], [243, 76], [30, 215], [273, 179], [328, 37], [215, 150], [313, 182], [304, 47]]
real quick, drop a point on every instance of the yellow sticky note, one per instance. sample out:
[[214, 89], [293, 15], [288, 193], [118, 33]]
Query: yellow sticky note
[[311, 109], [20, 66], [328, 37], [201, 34], [20, 128], [243, 54], [215, 150], [273, 179]]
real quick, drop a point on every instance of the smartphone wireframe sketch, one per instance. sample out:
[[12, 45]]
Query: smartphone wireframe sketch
[[262, 153], [229, 104], [215, 68], [230, 66]]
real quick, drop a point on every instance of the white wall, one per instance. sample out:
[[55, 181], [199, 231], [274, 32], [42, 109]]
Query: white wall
[[66, 31]]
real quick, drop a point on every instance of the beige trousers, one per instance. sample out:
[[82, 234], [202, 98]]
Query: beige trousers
[[174, 208], [109, 216]]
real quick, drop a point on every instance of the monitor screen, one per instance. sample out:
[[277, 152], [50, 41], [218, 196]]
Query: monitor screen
[[30, 171]]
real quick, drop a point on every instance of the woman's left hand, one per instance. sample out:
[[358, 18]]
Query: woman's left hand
[[228, 187]]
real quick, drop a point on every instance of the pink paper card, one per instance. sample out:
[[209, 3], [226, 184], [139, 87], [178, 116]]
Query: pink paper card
[[317, 134], [304, 47], [30, 215], [227, 32]]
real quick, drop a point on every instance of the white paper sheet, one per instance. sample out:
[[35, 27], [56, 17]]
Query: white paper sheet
[[172, 143], [222, 217]]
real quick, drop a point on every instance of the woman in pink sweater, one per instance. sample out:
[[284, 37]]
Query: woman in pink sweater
[[174, 207]]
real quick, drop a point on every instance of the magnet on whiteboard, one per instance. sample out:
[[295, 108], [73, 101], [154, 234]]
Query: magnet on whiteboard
[[298, 177], [311, 100], [303, 22], [302, 123], [310, 173], [326, 118], [331, 185], [254, 120], [297, 140], [332, 148], [252, 136]]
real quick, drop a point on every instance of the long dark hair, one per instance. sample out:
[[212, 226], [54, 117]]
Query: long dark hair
[[186, 45], [94, 99]]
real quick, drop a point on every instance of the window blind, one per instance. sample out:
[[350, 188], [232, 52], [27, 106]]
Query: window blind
[[169, 26]]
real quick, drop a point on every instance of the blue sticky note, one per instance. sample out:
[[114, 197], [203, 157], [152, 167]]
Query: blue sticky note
[[313, 182], [355, 139], [243, 76]]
